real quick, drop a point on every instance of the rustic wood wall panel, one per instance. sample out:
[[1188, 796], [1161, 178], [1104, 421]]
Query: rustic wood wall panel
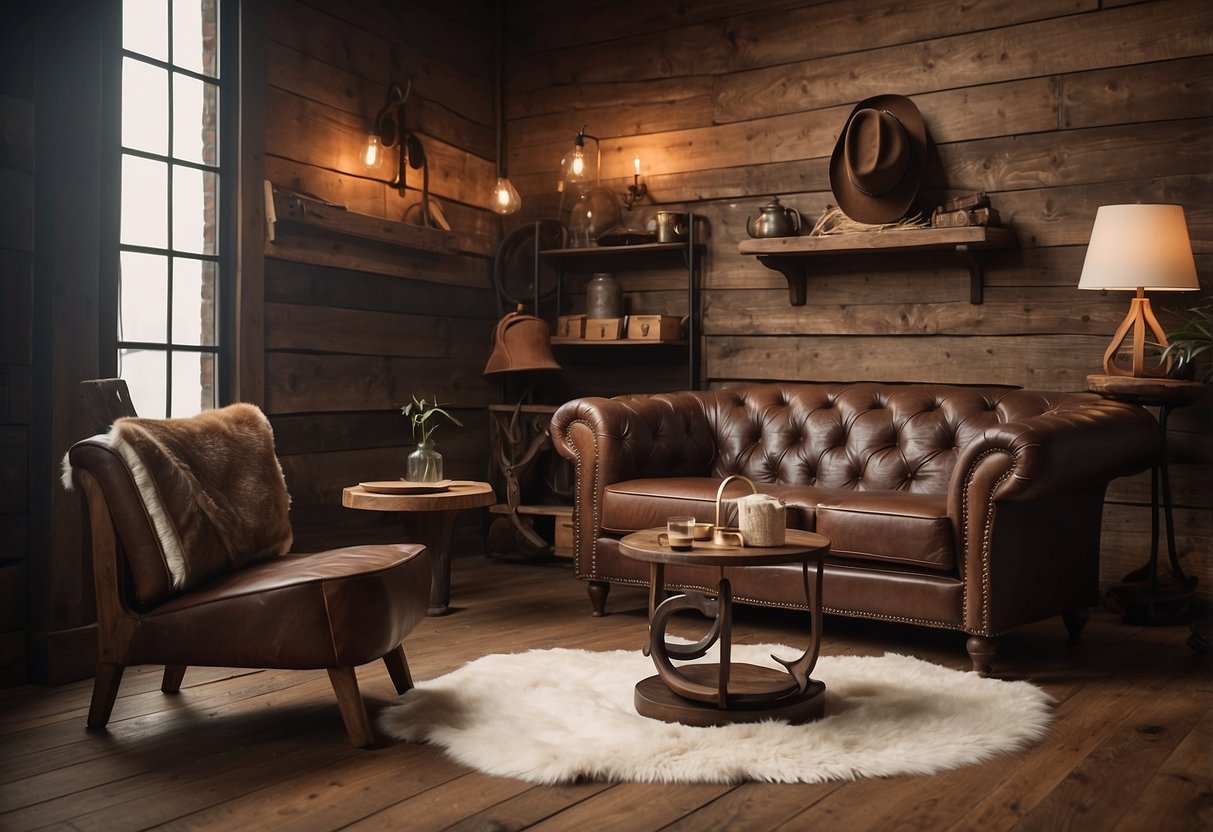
[[354, 326], [1053, 107], [17, 115]]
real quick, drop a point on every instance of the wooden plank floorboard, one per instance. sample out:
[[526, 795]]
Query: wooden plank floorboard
[[331, 796], [1129, 747], [58, 705], [939, 801], [536, 804], [144, 715], [1180, 795], [754, 806], [153, 796], [617, 807], [1082, 723], [1110, 779], [152, 745], [443, 806]]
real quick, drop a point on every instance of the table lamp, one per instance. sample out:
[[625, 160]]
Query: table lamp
[[1139, 248]]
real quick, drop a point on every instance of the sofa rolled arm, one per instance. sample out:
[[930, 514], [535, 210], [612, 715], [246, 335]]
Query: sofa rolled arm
[[1018, 479], [611, 440], [1077, 444], [635, 436]]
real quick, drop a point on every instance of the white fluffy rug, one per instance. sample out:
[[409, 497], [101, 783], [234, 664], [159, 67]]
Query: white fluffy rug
[[556, 716]]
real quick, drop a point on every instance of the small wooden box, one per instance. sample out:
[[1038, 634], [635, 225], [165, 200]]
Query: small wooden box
[[603, 329], [653, 328], [570, 326], [563, 545]]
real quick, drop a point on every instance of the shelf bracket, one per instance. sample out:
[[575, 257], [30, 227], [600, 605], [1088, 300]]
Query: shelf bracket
[[795, 270], [977, 277]]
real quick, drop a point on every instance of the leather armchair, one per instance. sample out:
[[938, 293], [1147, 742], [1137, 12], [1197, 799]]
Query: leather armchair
[[334, 610]]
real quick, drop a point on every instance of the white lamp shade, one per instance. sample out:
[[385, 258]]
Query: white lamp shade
[[1140, 247]]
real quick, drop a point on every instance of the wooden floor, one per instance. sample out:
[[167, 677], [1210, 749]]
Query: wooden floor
[[1130, 748]]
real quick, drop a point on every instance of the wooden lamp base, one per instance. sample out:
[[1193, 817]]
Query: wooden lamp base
[[1139, 318]]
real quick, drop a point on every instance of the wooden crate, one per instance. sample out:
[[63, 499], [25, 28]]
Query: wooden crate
[[564, 536], [603, 329], [653, 328], [570, 326]]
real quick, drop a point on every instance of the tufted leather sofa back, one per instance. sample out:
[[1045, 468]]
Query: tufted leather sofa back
[[861, 436]]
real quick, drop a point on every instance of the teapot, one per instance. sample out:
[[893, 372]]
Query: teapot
[[774, 220]]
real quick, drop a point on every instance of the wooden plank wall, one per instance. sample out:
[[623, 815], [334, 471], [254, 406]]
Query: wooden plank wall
[[353, 328], [16, 341], [1053, 107]]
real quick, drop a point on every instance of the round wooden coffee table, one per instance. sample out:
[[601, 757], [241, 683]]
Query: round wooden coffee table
[[722, 693], [428, 519]]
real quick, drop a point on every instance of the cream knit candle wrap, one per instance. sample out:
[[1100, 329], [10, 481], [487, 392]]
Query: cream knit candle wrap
[[762, 519]]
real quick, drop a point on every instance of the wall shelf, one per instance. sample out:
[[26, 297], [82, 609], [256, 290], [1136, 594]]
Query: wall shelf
[[312, 214], [790, 256], [686, 255], [619, 342]]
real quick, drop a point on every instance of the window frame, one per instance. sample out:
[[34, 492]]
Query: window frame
[[228, 172]]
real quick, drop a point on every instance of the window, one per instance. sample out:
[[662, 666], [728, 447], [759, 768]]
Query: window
[[176, 183]]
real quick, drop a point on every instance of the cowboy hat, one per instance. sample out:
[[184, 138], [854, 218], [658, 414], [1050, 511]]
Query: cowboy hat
[[877, 164]]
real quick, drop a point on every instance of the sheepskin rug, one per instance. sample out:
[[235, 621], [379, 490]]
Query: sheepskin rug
[[558, 716]]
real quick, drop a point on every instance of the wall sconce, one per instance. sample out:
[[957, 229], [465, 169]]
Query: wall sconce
[[1135, 248], [388, 130], [637, 190]]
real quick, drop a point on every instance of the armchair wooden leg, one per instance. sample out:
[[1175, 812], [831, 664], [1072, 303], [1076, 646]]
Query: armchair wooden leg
[[353, 710], [105, 691], [398, 669], [173, 674]]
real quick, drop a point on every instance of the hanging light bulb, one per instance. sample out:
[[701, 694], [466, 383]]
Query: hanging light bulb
[[574, 168], [577, 165], [372, 154], [505, 197]]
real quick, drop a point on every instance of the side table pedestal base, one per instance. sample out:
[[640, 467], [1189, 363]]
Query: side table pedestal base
[[654, 699]]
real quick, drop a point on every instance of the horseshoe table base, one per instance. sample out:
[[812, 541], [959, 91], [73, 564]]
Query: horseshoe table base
[[724, 692]]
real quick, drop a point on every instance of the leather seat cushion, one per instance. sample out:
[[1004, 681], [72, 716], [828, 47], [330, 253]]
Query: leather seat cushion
[[338, 608], [646, 503], [891, 526]]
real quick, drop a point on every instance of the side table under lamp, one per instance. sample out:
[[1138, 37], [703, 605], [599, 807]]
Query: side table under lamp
[[1140, 596]]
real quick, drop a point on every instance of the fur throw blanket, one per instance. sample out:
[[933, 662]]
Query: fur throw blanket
[[213, 489]]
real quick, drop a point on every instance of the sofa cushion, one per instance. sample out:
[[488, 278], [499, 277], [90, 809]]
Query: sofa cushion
[[633, 505], [890, 526]]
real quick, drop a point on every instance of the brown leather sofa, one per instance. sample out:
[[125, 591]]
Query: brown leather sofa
[[975, 509]]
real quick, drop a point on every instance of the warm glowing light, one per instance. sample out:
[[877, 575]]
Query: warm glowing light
[[505, 197], [372, 156], [636, 162], [577, 166]]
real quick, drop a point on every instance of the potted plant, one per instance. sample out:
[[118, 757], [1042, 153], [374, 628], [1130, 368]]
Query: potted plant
[[1185, 344], [425, 463]]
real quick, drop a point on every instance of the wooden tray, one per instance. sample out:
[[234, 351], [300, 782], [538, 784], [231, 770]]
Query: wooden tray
[[405, 487]]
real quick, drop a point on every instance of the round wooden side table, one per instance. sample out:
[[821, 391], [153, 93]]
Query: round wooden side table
[[428, 519], [723, 693]]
